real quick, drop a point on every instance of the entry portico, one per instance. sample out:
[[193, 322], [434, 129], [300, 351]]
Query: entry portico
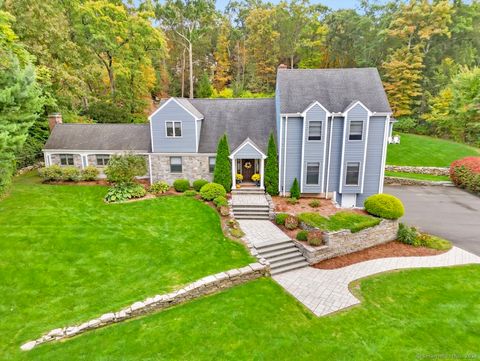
[[248, 159]]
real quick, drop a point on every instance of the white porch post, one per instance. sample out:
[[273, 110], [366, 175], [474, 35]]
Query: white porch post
[[261, 172], [234, 173]]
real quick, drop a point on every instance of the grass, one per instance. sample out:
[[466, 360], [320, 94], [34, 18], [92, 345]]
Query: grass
[[419, 150], [426, 177], [402, 315], [67, 256], [355, 222]]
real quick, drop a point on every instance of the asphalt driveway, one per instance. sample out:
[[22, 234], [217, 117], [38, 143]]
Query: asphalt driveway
[[448, 212]]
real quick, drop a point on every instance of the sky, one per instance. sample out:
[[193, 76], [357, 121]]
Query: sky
[[333, 4]]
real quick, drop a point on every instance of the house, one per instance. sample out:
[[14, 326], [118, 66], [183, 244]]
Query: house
[[331, 128]]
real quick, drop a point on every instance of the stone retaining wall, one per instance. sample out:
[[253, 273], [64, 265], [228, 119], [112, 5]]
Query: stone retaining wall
[[413, 182], [418, 170], [204, 286], [343, 242]]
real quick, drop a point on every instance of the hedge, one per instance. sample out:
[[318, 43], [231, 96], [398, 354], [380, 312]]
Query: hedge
[[385, 206], [465, 173], [181, 185]]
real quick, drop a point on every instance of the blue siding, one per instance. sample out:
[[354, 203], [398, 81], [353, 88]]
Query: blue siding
[[336, 154], [184, 144], [248, 152], [373, 170], [277, 112], [354, 149], [294, 151], [314, 149]]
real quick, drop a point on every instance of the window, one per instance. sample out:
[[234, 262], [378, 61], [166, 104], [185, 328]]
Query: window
[[102, 159], [66, 159], [211, 164], [314, 130], [356, 130], [313, 173], [353, 172], [174, 129], [176, 164]]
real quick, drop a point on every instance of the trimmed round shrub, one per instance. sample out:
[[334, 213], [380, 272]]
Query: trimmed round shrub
[[211, 191], [302, 235], [291, 222], [385, 206], [190, 193], [71, 174], [220, 201], [159, 188], [315, 238], [181, 185], [198, 184], [280, 218], [89, 173]]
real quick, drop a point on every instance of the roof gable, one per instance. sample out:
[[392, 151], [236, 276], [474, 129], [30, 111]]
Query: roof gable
[[183, 103], [248, 147]]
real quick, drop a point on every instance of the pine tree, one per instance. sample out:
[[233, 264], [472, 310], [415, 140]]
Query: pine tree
[[204, 88], [295, 189], [223, 169], [271, 168]]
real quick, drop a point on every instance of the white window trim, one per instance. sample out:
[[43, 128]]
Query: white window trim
[[101, 155], [174, 136], [346, 173], [363, 131], [306, 171], [215, 163], [66, 155], [321, 131], [181, 164]]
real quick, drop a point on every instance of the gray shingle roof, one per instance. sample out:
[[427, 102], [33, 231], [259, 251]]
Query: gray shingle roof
[[128, 137], [185, 102], [335, 89], [239, 118]]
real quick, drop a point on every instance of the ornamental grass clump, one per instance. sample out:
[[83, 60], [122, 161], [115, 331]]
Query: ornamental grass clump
[[315, 238], [385, 206], [291, 222]]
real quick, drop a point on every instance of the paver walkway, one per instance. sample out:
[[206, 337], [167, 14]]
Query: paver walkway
[[326, 291], [260, 233]]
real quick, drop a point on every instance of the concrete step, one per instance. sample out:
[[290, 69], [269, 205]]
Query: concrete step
[[271, 251], [248, 191], [253, 217], [250, 206], [251, 209], [284, 256], [289, 267], [266, 245], [278, 253]]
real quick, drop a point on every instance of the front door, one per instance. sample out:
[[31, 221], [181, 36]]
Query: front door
[[248, 169]]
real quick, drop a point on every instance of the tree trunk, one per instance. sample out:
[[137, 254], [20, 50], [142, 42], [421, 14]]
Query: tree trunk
[[183, 73], [291, 61], [190, 61], [111, 77]]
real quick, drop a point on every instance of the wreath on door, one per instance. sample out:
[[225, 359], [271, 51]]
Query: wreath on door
[[247, 165]]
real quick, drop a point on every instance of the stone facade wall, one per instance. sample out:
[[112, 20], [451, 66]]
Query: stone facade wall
[[413, 182], [344, 242], [205, 286], [418, 170], [77, 159], [193, 167]]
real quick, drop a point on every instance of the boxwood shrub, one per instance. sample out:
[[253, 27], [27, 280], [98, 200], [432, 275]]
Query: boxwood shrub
[[190, 193], [211, 191], [181, 185], [220, 201], [385, 206], [302, 235], [198, 184]]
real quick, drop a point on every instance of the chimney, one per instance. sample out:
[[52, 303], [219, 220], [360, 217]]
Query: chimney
[[282, 66], [54, 119]]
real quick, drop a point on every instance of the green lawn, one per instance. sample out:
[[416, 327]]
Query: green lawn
[[418, 150], [402, 315], [427, 177], [342, 220], [66, 256]]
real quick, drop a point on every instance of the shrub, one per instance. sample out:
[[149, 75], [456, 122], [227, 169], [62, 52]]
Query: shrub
[[198, 184], [271, 168], [71, 174], [124, 168], [295, 189], [181, 185], [315, 238], [302, 235], [291, 222], [224, 211], [237, 232], [122, 192], [211, 191], [465, 173], [159, 188], [190, 193], [314, 204], [292, 201], [407, 234], [52, 173], [280, 218], [220, 201], [385, 206], [89, 173]]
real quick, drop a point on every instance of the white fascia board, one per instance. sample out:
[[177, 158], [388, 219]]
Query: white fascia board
[[358, 102], [245, 142], [94, 151], [314, 104], [176, 101]]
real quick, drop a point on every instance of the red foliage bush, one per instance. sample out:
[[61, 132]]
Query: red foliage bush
[[465, 173]]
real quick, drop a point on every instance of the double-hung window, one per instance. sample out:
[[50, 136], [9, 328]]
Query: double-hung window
[[313, 173], [211, 164], [356, 130], [353, 174], [315, 130], [66, 159], [174, 129], [102, 159], [176, 164]]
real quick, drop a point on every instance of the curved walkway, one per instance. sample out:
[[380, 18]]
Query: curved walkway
[[326, 291]]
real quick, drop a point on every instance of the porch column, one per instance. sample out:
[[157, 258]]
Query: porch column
[[262, 161], [234, 173]]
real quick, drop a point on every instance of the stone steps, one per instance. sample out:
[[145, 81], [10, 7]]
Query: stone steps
[[283, 256], [248, 191]]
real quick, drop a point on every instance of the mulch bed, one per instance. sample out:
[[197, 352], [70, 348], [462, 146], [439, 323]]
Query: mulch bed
[[390, 249], [326, 208]]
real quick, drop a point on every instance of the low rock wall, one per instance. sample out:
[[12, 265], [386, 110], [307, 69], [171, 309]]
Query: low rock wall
[[418, 170], [413, 182]]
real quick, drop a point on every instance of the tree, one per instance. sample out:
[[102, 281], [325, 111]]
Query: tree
[[223, 168], [222, 75], [20, 98], [204, 88], [271, 167], [123, 169], [295, 189]]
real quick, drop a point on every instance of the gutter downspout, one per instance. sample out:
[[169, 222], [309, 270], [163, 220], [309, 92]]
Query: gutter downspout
[[329, 156]]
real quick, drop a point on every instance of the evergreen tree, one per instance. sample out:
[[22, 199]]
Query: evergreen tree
[[204, 88], [223, 169], [271, 168], [295, 189]]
